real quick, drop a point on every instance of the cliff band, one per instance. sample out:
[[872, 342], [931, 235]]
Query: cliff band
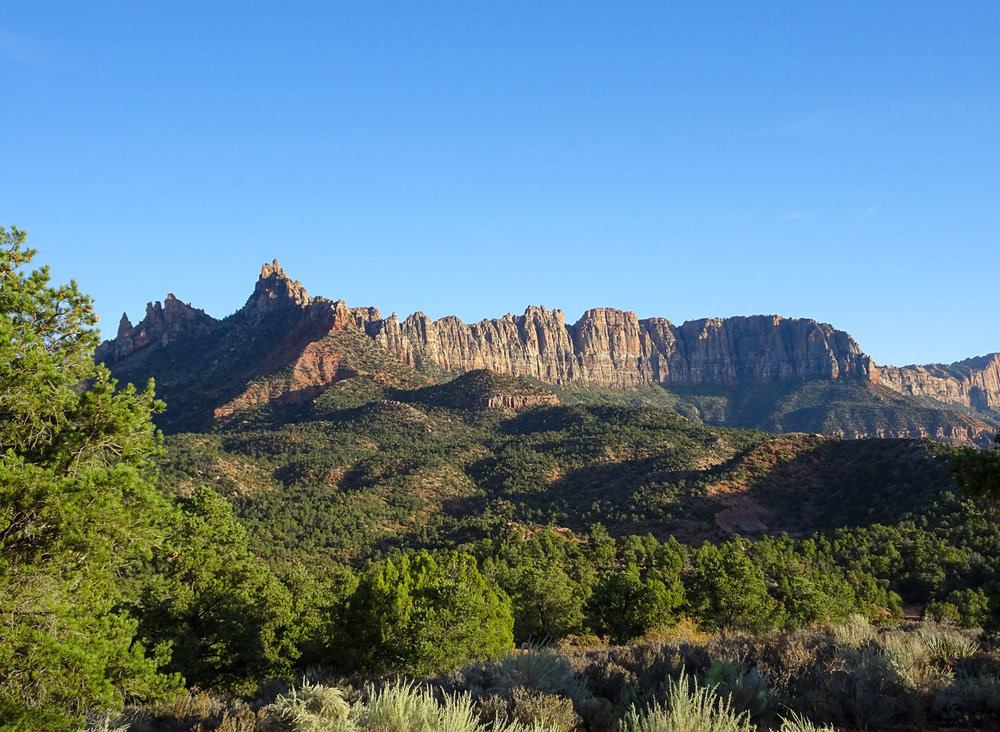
[[282, 328]]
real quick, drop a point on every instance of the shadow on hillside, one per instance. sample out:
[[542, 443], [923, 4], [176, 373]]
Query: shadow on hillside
[[849, 483], [811, 486]]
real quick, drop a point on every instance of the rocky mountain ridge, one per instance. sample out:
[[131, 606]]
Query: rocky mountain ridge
[[974, 382], [614, 348], [282, 329]]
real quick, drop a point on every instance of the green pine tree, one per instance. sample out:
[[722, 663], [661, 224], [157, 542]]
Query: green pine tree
[[228, 619], [78, 504], [727, 590], [419, 614], [978, 472], [624, 606]]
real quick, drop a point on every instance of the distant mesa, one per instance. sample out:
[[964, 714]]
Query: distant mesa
[[204, 364], [613, 348]]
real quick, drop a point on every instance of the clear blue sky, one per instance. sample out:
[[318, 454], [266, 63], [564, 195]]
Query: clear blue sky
[[835, 160]]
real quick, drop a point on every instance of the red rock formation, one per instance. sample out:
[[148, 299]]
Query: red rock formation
[[280, 329], [316, 367], [614, 348], [974, 382]]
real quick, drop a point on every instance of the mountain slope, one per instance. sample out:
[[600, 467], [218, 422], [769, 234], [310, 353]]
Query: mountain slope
[[337, 484], [287, 348]]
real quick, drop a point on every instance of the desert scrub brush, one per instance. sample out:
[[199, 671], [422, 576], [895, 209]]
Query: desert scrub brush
[[314, 708], [797, 723], [689, 708]]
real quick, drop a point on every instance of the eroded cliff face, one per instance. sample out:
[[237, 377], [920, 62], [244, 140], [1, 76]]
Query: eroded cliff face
[[614, 348], [967, 429], [536, 344], [606, 347], [163, 324], [974, 382], [275, 348], [285, 346]]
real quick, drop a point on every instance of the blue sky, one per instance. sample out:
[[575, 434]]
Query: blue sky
[[836, 160]]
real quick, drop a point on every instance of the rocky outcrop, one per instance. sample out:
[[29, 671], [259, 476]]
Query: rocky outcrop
[[608, 347], [973, 383], [316, 367], [965, 429], [277, 303], [275, 288], [272, 349], [164, 323], [516, 402], [277, 296], [286, 346], [483, 389]]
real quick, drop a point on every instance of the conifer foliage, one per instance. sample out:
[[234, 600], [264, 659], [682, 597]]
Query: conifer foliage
[[978, 471], [420, 614], [78, 504], [226, 617]]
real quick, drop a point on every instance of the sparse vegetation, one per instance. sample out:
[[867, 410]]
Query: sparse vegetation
[[822, 680]]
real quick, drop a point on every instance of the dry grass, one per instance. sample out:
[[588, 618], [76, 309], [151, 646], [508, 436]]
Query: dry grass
[[855, 676]]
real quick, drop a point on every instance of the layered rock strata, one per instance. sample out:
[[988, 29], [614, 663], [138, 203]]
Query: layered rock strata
[[973, 383], [283, 345], [614, 348]]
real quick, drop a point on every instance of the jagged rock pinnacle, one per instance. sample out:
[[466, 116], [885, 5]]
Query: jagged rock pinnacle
[[124, 325], [163, 324], [271, 270], [275, 289]]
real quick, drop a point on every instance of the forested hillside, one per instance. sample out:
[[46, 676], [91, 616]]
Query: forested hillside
[[381, 524]]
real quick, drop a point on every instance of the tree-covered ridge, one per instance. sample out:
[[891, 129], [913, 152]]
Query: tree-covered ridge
[[336, 485], [409, 471]]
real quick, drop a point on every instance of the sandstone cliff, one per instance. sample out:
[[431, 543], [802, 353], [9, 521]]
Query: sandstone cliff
[[973, 383], [284, 346], [605, 347], [614, 348]]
